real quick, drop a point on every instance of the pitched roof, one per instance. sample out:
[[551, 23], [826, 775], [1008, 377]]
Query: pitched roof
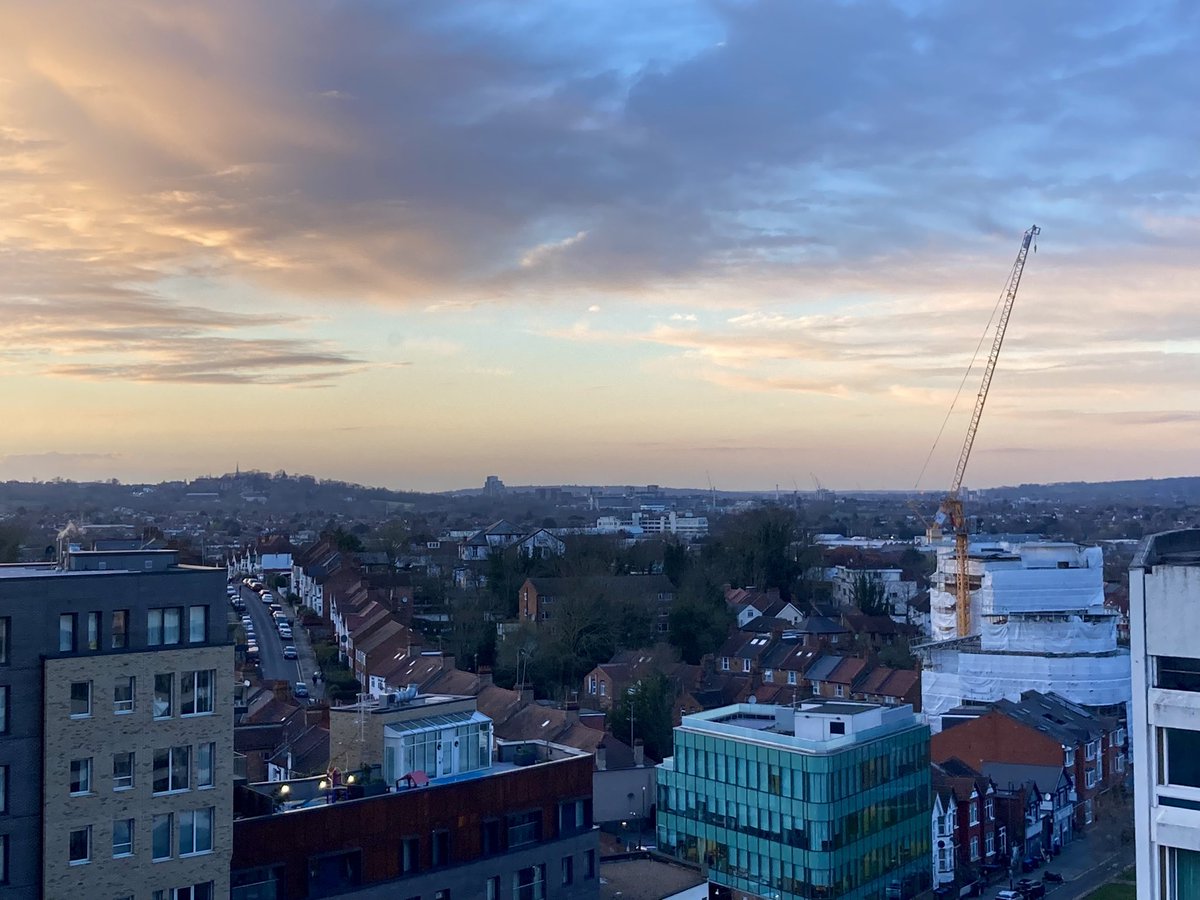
[[821, 625], [822, 668], [847, 671], [1008, 776]]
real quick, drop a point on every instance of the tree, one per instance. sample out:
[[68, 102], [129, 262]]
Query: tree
[[11, 538], [868, 594], [651, 702], [699, 621]]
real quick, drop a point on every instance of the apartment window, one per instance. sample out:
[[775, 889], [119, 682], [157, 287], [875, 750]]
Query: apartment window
[[4, 709], [568, 870], [591, 684], [589, 864], [171, 769], [3, 859], [160, 837], [443, 894], [1091, 778], [164, 689], [816, 687], [489, 837], [123, 691], [410, 855], [724, 663], [197, 624], [768, 675], [195, 831], [524, 828], [1119, 762], [974, 848], [123, 771], [791, 677], [81, 776], [839, 690], [122, 837], [530, 883], [990, 808], [603, 688], [990, 842], [205, 755], [66, 633], [162, 626], [1177, 673], [119, 629], [441, 848], [93, 631], [79, 846], [3, 789], [1091, 750], [974, 814], [1069, 757], [81, 699], [191, 892], [574, 816], [5, 624], [196, 692], [492, 891]]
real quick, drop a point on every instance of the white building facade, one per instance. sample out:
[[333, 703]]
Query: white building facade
[[1164, 612], [1039, 623]]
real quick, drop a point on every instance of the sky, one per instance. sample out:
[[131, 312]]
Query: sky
[[617, 241]]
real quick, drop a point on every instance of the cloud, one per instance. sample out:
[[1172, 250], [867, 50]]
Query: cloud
[[593, 308]]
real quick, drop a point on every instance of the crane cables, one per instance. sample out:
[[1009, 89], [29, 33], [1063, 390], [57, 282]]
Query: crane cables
[[967, 374]]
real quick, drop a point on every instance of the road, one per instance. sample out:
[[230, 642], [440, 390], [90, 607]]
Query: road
[[270, 645]]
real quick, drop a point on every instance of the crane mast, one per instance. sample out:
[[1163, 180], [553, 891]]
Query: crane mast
[[952, 505]]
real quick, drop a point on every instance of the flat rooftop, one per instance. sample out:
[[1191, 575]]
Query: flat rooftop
[[1170, 548]]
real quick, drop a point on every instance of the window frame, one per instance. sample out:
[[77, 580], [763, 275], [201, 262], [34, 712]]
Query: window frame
[[203, 611], [86, 831], [124, 707], [132, 825], [170, 705], [71, 695], [67, 639], [178, 761], [188, 823], [119, 781], [190, 693], [118, 637], [5, 642], [80, 784], [159, 819], [91, 631]]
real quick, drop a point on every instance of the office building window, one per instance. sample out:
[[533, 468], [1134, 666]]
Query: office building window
[[122, 837], [123, 771], [3, 789], [574, 816], [123, 691], [489, 837], [530, 883], [160, 837], [81, 699], [164, 690], [3, 709], [197, 624], [162, 626], [119, 630], [5, 625], [66, 633], [196, 692], [81, 776], [441, 848], [195, 831], [79, 846], [171, 765], [410, 855], [93, 631], [524, 828], [492, 891], [205, 754], [3, 859], [568, 870]]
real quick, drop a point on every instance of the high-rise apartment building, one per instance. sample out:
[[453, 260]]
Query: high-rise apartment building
[[116, 728], [829, 799], [1164, 625]]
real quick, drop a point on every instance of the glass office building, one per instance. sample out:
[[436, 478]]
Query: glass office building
[[830, 799]]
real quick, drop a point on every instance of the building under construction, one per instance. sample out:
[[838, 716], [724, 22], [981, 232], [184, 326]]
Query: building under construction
[[1039, 611]]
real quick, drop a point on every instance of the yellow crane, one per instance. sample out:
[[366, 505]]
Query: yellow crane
[[951, 509]]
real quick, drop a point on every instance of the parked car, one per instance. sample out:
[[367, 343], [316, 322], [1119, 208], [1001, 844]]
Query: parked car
[[286, 634], [300, 689], [1030, 889], [289, 652], [1009, 895]]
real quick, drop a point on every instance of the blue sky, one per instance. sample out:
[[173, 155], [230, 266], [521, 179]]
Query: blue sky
[[414, 244]]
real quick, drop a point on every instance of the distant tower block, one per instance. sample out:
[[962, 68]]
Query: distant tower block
[[493, 486]]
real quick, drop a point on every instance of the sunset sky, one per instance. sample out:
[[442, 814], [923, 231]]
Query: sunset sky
[[628, 241]]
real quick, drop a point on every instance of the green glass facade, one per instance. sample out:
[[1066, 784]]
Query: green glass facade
[[780, 822]]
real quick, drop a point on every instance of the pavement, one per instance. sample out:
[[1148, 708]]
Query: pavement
[[272, 665]]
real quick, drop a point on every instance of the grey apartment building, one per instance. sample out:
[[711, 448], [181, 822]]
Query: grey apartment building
[[116, 728]]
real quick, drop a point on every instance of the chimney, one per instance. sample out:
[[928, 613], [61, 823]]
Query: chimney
[[448, 661], [601, 758], [526, 697], [485, 676], [639, 753]]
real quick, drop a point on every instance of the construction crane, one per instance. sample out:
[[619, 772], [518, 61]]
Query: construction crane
[[951, 509]]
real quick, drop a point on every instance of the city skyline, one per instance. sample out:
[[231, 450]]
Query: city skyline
[[629, 243]]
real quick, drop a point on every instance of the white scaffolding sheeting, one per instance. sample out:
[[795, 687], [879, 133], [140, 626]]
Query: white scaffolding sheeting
[[1073, 634], [1087, 680], [1039, 590], [941, 691]]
